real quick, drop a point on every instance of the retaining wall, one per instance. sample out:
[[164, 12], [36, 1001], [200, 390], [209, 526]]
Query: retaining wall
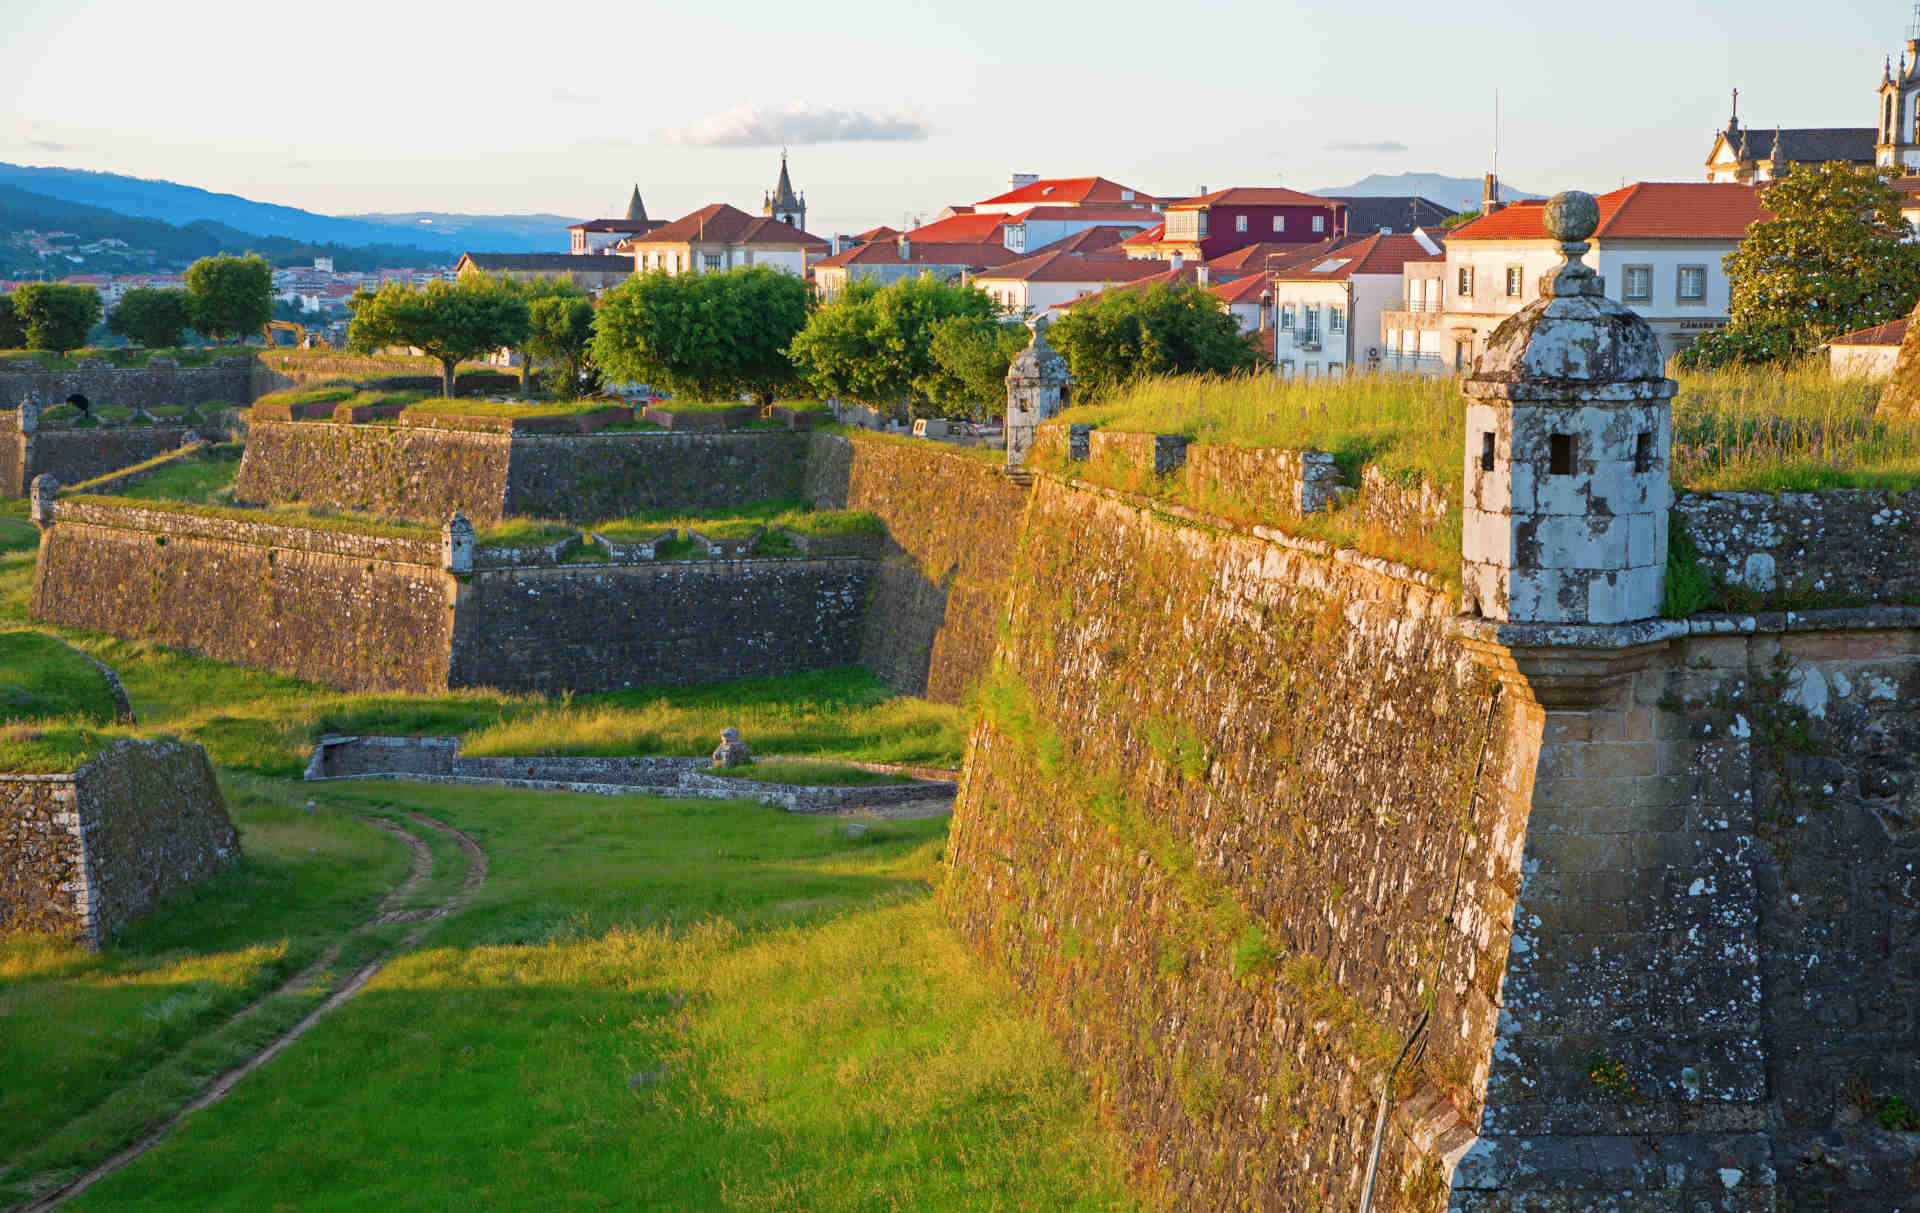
[[939, 591], [426, 474], [162, 381], [75, 455], [591, 628], [84, 854]]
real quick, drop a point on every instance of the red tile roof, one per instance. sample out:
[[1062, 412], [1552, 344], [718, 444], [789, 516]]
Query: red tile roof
[[1071, 267], [1647, 210], [1375, 254], [1247, 289], [1186, 275], [960, 229], [883, 232], [1152, 235], [1071, 191], [1252, 196], [1101, 241], [1893, 332], [1254, 256], [719, 223], [1127, 215], [887, 252]]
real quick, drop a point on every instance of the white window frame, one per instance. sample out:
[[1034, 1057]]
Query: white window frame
[[1286, 317], [1239, 223], [1516, 281], [1279, 223], [1627, 294], [711, 263], [1680, 284], [1465, 282], [1319, 223], [1336, 319]]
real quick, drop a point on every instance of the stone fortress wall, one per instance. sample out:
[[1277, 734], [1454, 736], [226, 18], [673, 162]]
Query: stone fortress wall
[[84, 854], [236, 379]]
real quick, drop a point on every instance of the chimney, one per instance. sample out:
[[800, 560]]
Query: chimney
[[1178, 261], [1022, 180], [1266, 310], [1201, 276], [905, 246], [1490, 196]]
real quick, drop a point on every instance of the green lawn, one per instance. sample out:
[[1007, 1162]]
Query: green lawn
[[650, 1004], [205, 478]]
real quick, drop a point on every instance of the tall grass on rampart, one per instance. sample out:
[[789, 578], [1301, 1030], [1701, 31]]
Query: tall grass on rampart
[[1797, 429]]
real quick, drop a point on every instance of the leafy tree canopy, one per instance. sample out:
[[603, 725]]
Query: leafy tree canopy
[[713, 336], [562, 334], [13, 334], [55, 316], [876, 345], [1836, 256], [1163, 330], [154, 318], [970, 356], [450, 321], [232, 296]]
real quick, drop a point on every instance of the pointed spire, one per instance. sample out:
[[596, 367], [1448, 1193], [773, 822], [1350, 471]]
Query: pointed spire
[[1886, 73], [1778, 156], [636, 209], [1733, 123]]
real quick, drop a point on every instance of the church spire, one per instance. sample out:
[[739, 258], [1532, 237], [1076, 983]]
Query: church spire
[[1733, 123], [636, 209]]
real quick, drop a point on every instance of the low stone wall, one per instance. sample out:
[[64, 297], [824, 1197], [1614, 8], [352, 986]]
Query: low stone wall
[[1304, 482], [590, 628], [427, 474], [162, 381], [1840, 546], [939, 593], [84, 854]]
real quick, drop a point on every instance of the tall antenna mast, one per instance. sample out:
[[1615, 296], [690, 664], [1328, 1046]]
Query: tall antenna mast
[[1496, 125]]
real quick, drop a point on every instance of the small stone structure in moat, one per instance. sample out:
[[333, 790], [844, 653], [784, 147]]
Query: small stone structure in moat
[[84, 853]]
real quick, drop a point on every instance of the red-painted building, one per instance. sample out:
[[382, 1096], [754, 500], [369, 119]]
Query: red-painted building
[[1212, 225]]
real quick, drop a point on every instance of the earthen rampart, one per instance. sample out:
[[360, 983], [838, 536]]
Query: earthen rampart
[[83, 854]]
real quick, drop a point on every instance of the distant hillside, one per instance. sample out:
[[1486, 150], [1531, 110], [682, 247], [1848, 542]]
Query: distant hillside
[[1457, 193], [153, 245], [184, 204]]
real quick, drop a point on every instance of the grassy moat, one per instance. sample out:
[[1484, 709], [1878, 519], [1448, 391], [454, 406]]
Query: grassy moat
[[641, 1003]]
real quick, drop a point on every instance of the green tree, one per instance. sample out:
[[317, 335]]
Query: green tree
[[562, 334], [1836, 256], [1163, 330], [876, 345], [13, 334], [450, 321], [232, 296], [153, 318], [55, 316], [710, 335], [970, 357]]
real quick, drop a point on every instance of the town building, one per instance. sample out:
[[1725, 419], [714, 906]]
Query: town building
[[1897, 138], [1213, 224], [783, 203], [1868, 353], [1037, 227], [588, 271], [883, 262], [1659, 249], [597, 236], [1032, 286], [1391, 214], [1413, 336], [718, 237], [1029, 191], [1328, 303]]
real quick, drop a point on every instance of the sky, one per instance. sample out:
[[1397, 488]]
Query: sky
[[896, 110]]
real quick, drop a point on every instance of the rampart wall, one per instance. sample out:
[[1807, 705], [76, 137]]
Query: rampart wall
[[940, 588], [1837, 547], [229, 380], [1239, 811], [83, 453], [426, 474], [594, 628], [84, 854]]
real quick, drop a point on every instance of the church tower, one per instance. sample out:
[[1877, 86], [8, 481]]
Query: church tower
[[785, 205], [1897, 131]]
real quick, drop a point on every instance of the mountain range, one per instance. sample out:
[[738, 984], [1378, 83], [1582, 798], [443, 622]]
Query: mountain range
[[445, 236], [1457, 193]]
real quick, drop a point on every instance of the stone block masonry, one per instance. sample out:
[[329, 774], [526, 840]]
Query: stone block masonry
[[75, 455], [591, 628], [1837, 547], [427, 474], [84, 854], [231, 380], [940, 591]]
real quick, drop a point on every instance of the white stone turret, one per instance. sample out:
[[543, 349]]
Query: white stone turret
[[457, 542], [1037, 387], [1569, 423]]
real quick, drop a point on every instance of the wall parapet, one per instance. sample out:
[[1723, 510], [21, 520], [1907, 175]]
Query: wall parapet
[[166, 523], [1835, 545]]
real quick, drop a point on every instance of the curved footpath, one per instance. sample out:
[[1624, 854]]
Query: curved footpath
[[392, 909]]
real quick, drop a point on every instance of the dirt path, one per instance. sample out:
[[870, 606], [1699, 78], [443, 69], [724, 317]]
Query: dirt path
[[386, 912]]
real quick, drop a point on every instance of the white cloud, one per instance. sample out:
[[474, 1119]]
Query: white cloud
[[48, 145], [800, 123], [1377, 145]]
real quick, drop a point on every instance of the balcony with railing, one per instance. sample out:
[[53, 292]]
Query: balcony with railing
[[1421, 305]]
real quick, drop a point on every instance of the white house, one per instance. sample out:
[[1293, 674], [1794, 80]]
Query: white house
[[887, 261], [1036, 227], [1030, 191], [1869, 353], [1659, 248], [1032, 285], [1328, 303], [718, 238]]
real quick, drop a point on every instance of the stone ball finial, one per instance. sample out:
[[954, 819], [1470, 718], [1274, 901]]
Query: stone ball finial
[[1572, 216]]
